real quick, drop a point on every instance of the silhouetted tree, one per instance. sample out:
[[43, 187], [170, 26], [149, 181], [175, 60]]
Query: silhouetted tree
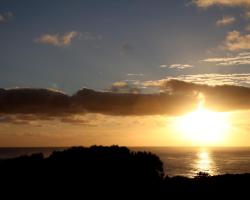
[[109, 172]]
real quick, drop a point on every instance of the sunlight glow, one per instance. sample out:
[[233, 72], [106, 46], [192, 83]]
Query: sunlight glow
[[204, 127]]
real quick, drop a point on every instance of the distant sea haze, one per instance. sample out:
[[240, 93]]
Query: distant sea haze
[[178, 161]]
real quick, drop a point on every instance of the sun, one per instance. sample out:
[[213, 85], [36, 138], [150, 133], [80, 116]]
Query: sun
[[204, 127]]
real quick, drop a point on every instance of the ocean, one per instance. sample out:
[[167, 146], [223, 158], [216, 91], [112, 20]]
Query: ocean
[[178, 161]]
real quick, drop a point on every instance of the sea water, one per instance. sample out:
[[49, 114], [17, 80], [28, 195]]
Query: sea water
[[177, 161]]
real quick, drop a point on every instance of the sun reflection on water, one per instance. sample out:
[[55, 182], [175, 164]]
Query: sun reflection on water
[[204, 163]]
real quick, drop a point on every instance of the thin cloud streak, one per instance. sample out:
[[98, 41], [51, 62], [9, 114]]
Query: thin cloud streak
[[207, 79], [180, 66], [229, 3], [242, 58], [56, 39], [226, 20]]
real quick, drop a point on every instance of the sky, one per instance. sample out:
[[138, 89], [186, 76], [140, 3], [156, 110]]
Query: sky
[[121, 72]]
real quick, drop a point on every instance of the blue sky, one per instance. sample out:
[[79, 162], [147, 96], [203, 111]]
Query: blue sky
[[129, 46], [113, 39]]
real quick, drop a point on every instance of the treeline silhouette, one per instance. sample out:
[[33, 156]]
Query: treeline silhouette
[[108, 172]]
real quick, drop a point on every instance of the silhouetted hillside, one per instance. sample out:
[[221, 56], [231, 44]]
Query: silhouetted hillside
[[204, 186], [109, 172], [85, 171]]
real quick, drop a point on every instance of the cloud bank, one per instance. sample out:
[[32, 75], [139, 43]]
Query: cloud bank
[[28, 100], [178, 97], [218, 98], [54, 103]]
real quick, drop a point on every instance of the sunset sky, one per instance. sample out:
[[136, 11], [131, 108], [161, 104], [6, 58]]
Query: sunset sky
[[128, 72]]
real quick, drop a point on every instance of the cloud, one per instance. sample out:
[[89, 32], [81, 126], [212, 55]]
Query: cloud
[[218, 98], [124, 87], [242, 58], [208, 79], [212, 79], [78, 120], [4, 17], [30, 101], [132, 104], [154, 83], [230, 3], [176, 66], [24, 119], [135, 74], [56, 39], [12, 119], [226, 20], [247, 15], [177, 97], [180, 66], [53, 103], [235, 41], [120, 84], [154, 86]]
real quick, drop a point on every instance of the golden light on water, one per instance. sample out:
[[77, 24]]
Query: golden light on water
[[204, 163]]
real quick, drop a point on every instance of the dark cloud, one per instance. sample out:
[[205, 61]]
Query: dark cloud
[[131, 104], [49, 102], [27, 100], [218, 97], [179, 97]]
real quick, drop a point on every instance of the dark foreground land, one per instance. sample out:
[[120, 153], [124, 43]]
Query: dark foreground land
[[109, 172]]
